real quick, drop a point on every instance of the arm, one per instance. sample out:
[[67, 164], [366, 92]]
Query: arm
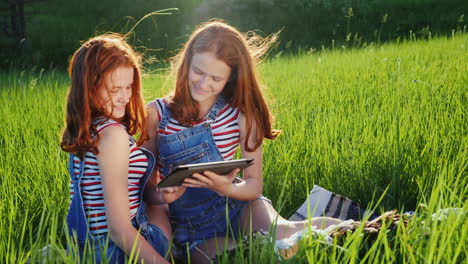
[[113, 165], [252, 186], [253, 175], [152, 194]]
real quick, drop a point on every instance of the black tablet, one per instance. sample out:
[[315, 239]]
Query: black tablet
[[177, 176]]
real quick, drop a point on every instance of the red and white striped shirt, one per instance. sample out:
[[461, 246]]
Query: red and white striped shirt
[[91, 184], [225, 128]]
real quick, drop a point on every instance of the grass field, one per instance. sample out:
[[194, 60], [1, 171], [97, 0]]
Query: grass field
[[384, 124]]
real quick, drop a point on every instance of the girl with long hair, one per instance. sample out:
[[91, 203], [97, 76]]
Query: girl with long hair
[[217, 107], [107, 166]]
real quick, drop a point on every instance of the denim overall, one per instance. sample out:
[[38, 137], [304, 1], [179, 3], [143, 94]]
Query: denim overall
[[199, 214], [78, 225]]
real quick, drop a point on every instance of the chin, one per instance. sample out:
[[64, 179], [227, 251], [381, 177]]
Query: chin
[[118, 116], [197, 97]]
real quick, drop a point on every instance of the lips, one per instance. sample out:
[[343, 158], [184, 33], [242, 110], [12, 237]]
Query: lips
[[200, 91], [119, 108]]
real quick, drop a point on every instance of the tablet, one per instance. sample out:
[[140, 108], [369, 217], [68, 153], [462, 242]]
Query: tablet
[[177, 176]]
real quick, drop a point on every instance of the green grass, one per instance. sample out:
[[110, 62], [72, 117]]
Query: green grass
[[357, 122]]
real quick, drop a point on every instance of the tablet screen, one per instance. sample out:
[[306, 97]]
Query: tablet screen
[[177, 176]]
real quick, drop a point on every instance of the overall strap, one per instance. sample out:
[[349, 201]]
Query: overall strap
[[76, 219], [74, 177], [216, 108], [165, 117], [211, 117], [140, 217]]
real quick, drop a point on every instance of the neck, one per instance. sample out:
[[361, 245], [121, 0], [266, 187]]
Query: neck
[[205, 108]]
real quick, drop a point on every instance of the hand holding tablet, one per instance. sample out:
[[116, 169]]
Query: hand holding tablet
[[177, 176]]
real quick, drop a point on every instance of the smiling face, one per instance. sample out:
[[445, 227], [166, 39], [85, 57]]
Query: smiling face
[[207, 78], [116, 90]]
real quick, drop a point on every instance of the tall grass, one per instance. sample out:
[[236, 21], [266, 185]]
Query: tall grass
[[367, 119], [357, 122]]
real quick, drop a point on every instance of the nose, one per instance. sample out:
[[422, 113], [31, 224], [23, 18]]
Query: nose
[[203, 83], [124, 95]]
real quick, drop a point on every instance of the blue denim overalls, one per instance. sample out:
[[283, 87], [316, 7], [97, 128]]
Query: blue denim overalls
[[78, 225], [199, 214]]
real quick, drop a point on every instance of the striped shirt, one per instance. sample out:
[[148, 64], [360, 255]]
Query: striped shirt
[[225, 128], [91, 184]]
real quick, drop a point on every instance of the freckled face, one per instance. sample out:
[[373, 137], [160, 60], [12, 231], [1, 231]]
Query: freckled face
[[116, 90], [207, 77]]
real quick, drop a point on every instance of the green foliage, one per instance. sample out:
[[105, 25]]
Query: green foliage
[[311, 24], [55, 28], [355, 122]]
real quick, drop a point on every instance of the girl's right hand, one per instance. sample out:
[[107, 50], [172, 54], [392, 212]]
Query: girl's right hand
[[170, 194]]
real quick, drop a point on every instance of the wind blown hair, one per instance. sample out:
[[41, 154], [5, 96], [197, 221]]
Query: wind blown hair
[[240, 52], [89, 65]]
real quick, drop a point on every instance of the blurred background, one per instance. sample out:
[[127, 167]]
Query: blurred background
[[45, 33]]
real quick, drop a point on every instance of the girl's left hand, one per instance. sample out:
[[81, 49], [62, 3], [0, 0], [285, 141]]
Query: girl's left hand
[[170, 194], [221, 184]]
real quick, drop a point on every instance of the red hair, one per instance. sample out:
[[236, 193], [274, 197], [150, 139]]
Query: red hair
[[89, 65], [242, 90]]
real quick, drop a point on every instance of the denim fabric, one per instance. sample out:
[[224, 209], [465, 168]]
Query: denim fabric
[[78, 225], [199, 214]]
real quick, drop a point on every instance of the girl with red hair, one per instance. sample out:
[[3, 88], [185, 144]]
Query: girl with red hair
[[107, 166], [217, 107]]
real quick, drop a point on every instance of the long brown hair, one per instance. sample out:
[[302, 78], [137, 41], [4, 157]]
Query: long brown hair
[[240, 52], [89, 65]]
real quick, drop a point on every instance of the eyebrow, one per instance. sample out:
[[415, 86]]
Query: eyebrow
[[196, 67], [115, 86]]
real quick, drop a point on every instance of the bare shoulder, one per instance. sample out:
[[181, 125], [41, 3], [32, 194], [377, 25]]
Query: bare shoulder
[[241, 120], [113, 130], [113, 138], [153, 112], [243, 126], [152, 106], [152, 119], [243, 123]]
